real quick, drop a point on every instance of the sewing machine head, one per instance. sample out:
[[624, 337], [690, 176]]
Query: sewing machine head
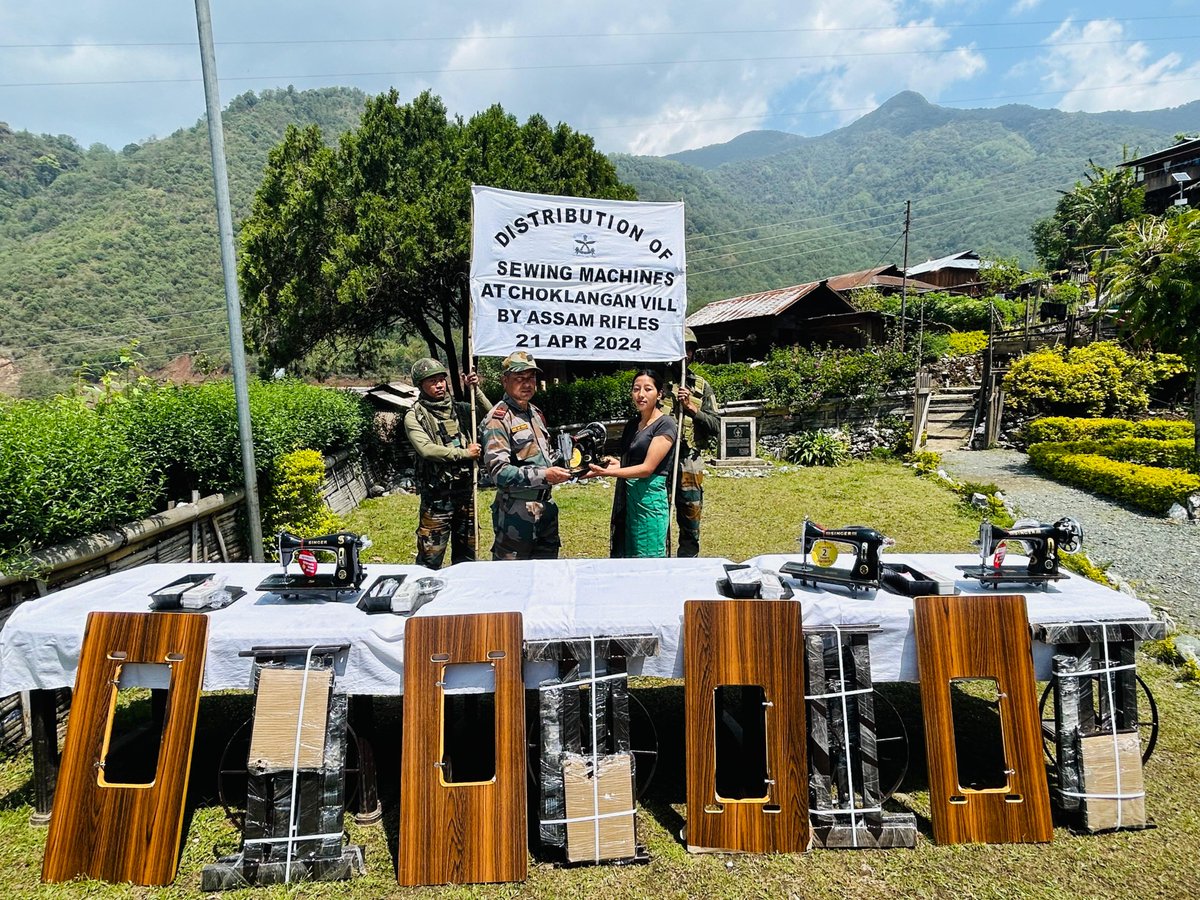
[[342, 548], [582, 448], [822, 544], [1042, 541]]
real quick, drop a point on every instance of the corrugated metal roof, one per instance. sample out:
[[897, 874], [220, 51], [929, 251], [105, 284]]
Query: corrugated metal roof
[[967, 259], [1180, 149], [852, 280], [751, 306]]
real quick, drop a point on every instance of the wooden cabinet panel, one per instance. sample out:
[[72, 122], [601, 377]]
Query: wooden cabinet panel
[[126, 832]]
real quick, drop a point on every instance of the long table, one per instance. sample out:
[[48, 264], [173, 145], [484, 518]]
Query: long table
[[41, 641], [40, 644]]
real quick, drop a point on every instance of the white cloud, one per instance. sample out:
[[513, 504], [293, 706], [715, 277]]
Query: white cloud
[[1024, 6], [1097, 74]]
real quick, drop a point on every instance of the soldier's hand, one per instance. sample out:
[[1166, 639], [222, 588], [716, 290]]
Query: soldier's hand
[[684, 396], [470, 379], [473, 451], [557, 475]]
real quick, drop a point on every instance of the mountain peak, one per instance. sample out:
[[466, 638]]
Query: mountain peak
[[903, 114]]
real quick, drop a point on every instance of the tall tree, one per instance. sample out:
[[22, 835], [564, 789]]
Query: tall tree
[[1154, 276], [344, 245], [1084, 216]]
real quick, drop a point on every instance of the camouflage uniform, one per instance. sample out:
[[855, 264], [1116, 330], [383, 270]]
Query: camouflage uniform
[[699, 435], [439, 433], [517, 450]]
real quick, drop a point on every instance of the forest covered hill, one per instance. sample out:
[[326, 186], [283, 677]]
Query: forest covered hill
[[98, 247]]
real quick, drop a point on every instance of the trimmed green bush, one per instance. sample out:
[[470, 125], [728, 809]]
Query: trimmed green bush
[[1146, 487], [1063, 428], [65, 472], [1177, 454], [191, 432]]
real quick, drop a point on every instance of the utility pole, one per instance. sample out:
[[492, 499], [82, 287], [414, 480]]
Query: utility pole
[[904, 271], [233, 306]]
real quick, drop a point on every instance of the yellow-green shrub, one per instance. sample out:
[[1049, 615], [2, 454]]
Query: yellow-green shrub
[[966, 343], [1178, 454], [1100, 379], [1065, 428], [293, 501], [1146, 487]]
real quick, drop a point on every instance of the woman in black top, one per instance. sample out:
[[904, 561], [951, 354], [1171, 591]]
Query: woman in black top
[[640, 505]]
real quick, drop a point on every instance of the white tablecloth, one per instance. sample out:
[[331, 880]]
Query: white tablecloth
[[40, 643]]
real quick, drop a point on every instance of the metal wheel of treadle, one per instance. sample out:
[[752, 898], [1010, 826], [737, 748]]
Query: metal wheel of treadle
[[645, 758], [232, 774], [1147, 725], [891, 745]]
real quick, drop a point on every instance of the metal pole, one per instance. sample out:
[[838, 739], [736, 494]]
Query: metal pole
[[904, 271], [237, 353]]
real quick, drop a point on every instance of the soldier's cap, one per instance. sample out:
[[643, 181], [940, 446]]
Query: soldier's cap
[[689, 336], [520, 361], [427, 368]]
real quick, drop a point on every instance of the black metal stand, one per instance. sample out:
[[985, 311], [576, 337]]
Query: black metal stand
[[1095, 689], [845, 794]]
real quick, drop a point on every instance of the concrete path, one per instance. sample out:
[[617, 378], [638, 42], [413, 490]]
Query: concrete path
[[1159, 558]]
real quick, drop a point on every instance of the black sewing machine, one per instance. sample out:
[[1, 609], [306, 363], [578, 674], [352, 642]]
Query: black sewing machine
[[822, 544], [1043, 541], [341, 547], [582, 448]]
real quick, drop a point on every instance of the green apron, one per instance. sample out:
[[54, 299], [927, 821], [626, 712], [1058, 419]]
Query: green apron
[[646, 513]]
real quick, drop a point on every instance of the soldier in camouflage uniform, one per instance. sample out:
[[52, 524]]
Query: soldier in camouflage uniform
[[439, 430], [520, 456], [700, 427]]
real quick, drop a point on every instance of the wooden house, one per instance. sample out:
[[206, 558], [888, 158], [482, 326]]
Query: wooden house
[[1169, 177]]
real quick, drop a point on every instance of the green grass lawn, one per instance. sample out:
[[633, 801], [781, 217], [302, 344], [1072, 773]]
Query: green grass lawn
[[744, 517]]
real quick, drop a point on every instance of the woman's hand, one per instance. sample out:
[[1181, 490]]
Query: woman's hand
[[594, 470]]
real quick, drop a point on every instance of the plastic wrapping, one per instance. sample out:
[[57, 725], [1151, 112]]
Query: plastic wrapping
[[583, 726], [1099, 777], [845, 795], [307, 802]]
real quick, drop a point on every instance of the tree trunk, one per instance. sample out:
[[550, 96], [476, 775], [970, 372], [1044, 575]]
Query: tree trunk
[[451, 351], [1196, 405]]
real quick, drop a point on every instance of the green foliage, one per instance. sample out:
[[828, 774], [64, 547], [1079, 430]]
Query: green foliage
[[588, 399], [966, 343], [1146, 487], [926, 462], [343, 245], [1167, 651], [66, 471], [1084, 216], [191, 431], [1062, 428], [1173, 454], [1154, 274], [1101, 379], [292, 499], [817, 448]]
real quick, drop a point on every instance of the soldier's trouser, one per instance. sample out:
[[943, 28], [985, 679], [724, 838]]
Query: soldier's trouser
[[525, 529], [446, 519], [689, 504]]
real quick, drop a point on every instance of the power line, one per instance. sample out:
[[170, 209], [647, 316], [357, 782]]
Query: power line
[[585, 36], [584, 66]]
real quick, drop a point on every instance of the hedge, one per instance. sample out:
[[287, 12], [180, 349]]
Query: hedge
[[1146, 487], [1177, 454], [1100, 379], [68, 469], [64, 472], [192, 432], [1063, 428]]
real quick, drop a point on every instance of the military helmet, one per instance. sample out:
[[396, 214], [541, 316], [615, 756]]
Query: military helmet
[[689, 336], [427, 368]]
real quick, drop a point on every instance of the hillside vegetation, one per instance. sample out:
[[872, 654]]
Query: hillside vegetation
[[100, 247]]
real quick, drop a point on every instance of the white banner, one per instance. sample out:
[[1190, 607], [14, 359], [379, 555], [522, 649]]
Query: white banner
[[577, 278]]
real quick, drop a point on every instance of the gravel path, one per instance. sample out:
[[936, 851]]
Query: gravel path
[[1158, 557]]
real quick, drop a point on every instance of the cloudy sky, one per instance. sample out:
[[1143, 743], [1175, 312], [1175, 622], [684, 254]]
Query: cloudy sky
[[640, 77]]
